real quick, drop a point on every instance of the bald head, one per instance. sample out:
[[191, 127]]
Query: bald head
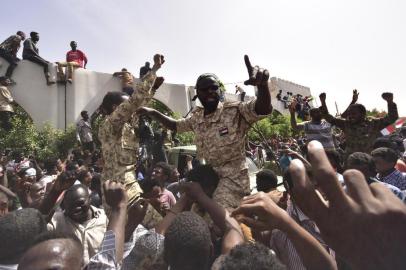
[[62, 253], [76, 203]]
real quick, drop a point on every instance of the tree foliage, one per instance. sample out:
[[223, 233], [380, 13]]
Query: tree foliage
[[274, 125], [185, 138], [376, 113], [45, 143]]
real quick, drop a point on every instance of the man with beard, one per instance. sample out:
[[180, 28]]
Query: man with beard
[[220, 131], [361, 132]]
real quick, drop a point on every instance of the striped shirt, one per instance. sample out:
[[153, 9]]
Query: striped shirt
[[143, 251], [284, 248], [396, 178], [319, 132]]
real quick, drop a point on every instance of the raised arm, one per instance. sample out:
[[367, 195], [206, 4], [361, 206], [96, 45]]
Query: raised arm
[[64, 181], [142, 95], [354, 100], [164, 224], [166, 121], [232, 234], [136, 214], [392, 115], [293, 123], [363, 206], [326, 115], [116, 198], [8, 192], [269, 216], [259, 77]]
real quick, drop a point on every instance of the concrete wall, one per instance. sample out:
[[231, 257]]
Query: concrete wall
[[46, 104], [277, 84]]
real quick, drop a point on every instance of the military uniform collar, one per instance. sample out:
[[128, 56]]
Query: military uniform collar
[[213, 117]]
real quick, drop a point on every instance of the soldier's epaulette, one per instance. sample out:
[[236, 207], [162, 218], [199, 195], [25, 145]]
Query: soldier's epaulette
[[229, 104]]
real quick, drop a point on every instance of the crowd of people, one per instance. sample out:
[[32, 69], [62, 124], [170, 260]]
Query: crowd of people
[[341, 204], [302, 104]]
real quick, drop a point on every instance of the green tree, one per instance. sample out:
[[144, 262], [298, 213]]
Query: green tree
[[375, 113], [185, 138], [273, 125], [45, 143]]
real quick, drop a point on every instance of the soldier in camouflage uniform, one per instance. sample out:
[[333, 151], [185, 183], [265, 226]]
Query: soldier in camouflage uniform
[[9, 49], [360, 132], [118, 135], [220, 131]]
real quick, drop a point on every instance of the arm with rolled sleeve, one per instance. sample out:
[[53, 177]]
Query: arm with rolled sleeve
[[141, 96], [247, 110], [184, 125]]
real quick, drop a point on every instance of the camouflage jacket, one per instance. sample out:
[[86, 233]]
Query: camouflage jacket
[[118, 133], [220, 136], [360, 137], [11, 45]]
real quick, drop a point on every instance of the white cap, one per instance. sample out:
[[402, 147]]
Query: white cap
[[31, 172]]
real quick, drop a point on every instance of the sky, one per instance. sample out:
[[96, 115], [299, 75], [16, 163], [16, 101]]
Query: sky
[[329, 46]]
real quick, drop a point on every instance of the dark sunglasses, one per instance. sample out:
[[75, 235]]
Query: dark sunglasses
[[211, 87]]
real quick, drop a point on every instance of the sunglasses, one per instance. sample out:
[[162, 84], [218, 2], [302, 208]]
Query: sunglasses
[[211, 87]]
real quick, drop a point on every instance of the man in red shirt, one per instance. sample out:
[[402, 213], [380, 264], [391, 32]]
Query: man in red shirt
[[74, 59]]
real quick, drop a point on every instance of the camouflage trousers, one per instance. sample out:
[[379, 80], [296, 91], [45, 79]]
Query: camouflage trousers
[[134, 191], [132, 187], [231, 189]]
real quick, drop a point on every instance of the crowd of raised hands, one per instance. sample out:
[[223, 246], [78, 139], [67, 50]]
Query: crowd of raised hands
[[365, 225]]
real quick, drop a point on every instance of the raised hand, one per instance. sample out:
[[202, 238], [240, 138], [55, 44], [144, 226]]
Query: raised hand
[[193, 190], [158, 61], [115, 194], [257, 76], [261, 213], [366, 225], [322, 97], [158, 82], [137, 211], [64, 181], [387, 96], [355, 95]]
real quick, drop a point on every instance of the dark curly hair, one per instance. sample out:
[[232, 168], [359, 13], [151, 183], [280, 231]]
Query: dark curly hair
[[387, 154], [18, 232], [187, 243], [251, 256], [166, 168]]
